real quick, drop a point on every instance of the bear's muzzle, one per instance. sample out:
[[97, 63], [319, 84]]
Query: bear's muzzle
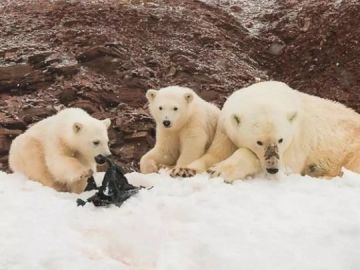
[[271, 157]]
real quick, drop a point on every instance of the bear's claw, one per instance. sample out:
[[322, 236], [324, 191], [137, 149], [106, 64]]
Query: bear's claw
[[213, 172], [182, 172]]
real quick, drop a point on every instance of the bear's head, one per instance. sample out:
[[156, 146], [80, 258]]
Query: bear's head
[[267, 134], [86, 135], [170, 106], [265, 118]]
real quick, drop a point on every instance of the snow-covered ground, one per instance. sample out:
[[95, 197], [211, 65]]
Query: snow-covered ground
[[198, 224]]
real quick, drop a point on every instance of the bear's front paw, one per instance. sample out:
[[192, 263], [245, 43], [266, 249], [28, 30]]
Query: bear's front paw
[[82, 175], [217, 171], [213, 172], [148, 166], [165, 167], [86, 174], [182, 172]]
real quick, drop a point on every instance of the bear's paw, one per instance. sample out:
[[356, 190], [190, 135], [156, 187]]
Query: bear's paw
[[182, 172], [165, 167], [226, 171], [83, 174]]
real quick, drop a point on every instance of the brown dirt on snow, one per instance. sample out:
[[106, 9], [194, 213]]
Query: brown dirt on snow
[[103, 56]]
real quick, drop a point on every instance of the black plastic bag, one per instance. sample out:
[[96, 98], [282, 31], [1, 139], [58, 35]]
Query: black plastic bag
[[115, 188]]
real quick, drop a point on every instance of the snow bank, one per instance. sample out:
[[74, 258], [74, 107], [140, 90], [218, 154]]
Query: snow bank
[[292, 223]]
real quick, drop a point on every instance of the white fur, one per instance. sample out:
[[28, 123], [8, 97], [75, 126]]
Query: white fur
[[193, 124], [59, 151], [315, 132]]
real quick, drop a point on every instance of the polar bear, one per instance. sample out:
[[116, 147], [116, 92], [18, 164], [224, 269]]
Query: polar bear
[[268, 127], [185, 127], [59, 151]]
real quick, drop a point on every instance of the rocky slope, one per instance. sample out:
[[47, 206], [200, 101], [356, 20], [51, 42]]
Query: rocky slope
[[103, 55]]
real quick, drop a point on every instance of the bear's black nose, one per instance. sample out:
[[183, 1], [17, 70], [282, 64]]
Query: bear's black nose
[[272, 170], [166, 123], [100, 159]]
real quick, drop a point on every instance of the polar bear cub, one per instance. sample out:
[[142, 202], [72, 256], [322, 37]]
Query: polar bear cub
[[268, 127], [59, 151], [185, 127]]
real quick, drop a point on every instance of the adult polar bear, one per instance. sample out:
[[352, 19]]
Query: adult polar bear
[[269, 126]]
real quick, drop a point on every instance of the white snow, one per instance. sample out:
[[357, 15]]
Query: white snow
[[194, 224]]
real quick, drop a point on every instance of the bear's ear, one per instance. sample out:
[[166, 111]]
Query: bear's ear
[[189, 97], [151, 94], [77, 127], [236, 119], [107, 122], [291, 116]]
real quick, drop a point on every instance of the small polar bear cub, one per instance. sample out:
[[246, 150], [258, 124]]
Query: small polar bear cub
[[185, 127], [59, 151]]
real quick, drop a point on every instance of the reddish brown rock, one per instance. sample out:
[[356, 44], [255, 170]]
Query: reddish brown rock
[[6, 136]]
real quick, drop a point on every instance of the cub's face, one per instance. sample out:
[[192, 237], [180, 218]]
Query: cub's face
[[90, 138], [268, 134], [170, 109]]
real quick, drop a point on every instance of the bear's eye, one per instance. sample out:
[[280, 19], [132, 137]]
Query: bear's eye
[[175, 108], [281, 140], [160, 108], [259, 142], [96, 143]]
